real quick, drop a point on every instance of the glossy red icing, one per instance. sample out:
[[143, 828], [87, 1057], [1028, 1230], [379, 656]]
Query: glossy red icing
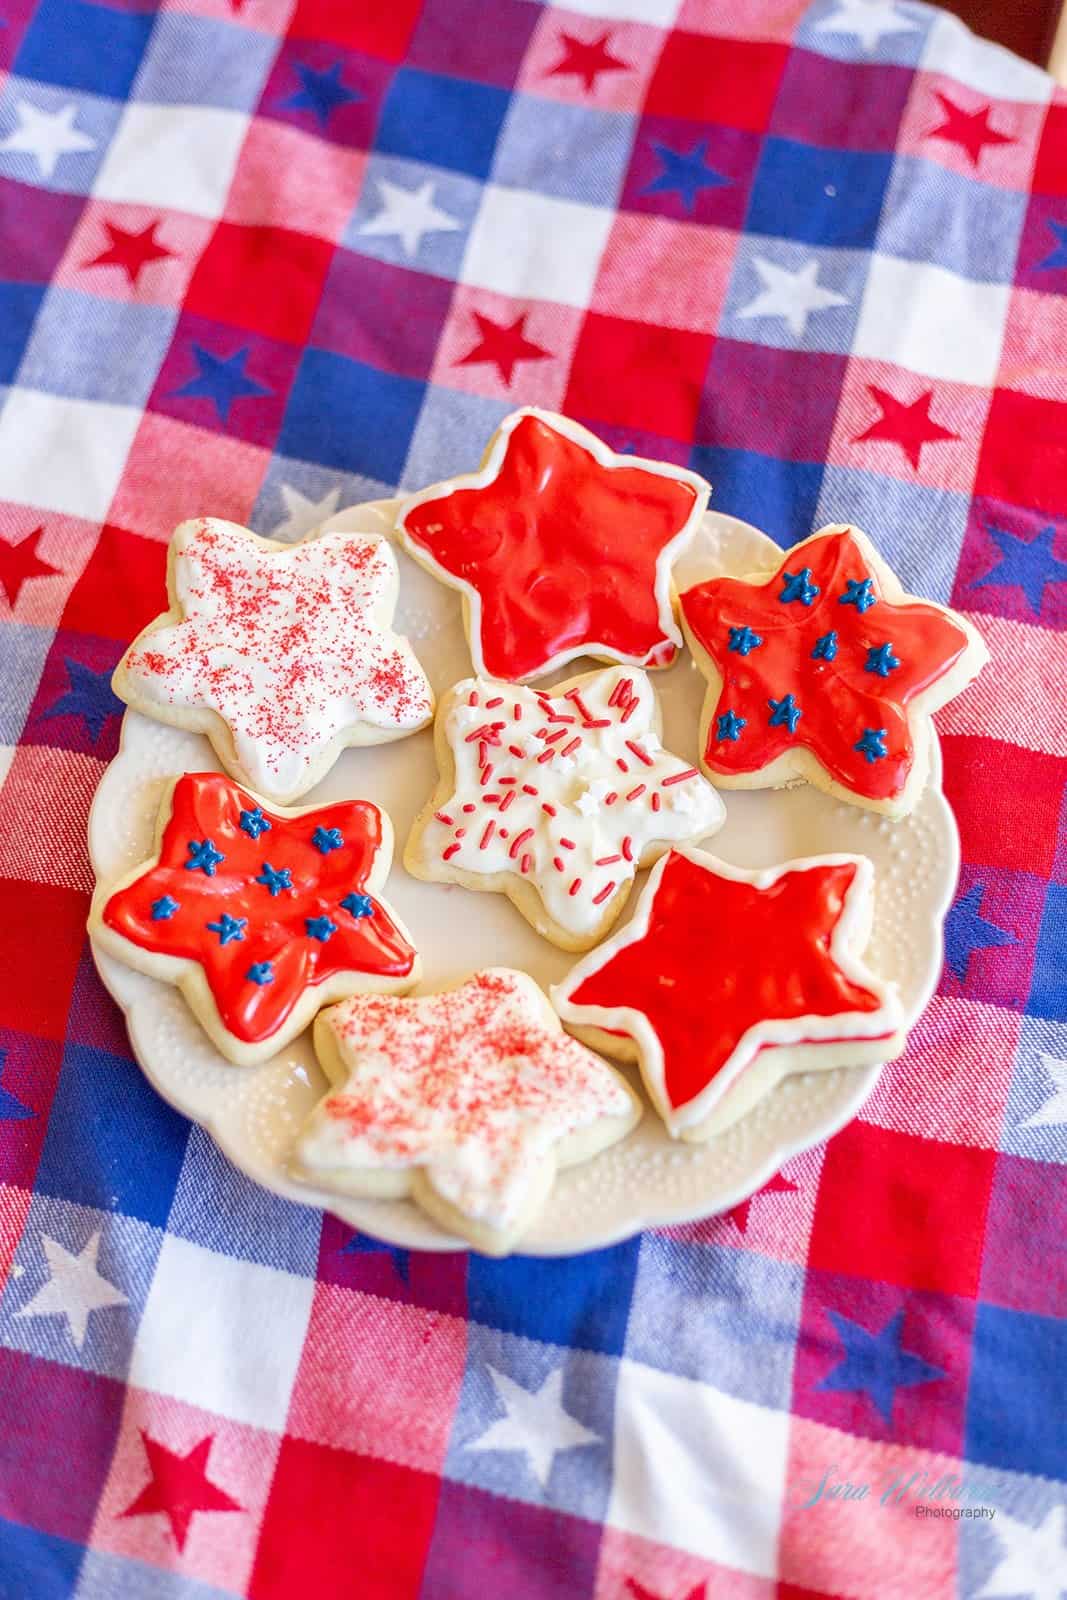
[[720, 956], [561, 550], [209, 806], [838, 699]]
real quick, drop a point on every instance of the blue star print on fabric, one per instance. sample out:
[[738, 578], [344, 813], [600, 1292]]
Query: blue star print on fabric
[[361, 1245], [967, 930], [275, 879], [163, 908], [872, 745], [1058, 258], [358, 905], [858, 593], [11, 1107], [784, 713], [260, 972], [880, 659], [875, 1364], [742, 640], [229, 928], [320, 928], [322, 92], [825, 647], [798, 586], [684, 175], [254, 823], [203, 857], [1026, 564], [729, 725], [221, 379], [88, 695], [327, 839]]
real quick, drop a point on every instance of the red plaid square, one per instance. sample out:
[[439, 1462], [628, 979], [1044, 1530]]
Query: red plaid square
[[266, 279], [41, 938], [673, 274], [731, 81], [284, 174], [380, 30], [626, 372]]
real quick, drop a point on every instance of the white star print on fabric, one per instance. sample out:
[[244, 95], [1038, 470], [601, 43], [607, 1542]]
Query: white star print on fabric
[[793, 296], [408, 215], [537, 1423], [304, 513], [75, 1288], [1053, 1113], [869, 20], [1033, 1561], [46, 135]]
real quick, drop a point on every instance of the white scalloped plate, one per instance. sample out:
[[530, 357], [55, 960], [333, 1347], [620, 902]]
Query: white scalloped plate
[[254, 1112]]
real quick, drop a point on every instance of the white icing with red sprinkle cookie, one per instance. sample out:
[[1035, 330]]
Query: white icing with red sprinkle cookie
[[281, 654], [556, 798], [468, 1099]]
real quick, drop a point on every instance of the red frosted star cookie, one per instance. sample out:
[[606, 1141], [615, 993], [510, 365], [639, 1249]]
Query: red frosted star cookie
[[826, 670], [726, 980], [468, 1100], [260, 917], [559, 547]]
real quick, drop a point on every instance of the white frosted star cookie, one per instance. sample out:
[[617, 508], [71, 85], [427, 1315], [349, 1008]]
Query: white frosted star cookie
[[469, 1100], [282, 654], [556, 798]]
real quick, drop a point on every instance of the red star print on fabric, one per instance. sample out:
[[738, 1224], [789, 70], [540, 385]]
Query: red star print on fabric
[[130, 249], [266, 905], [777, 1185], [20, 563], [908, 424], [503, 344], [969, 129], [715, 966], [561, 548], [826, 672], [180, 1487], [587, 59]]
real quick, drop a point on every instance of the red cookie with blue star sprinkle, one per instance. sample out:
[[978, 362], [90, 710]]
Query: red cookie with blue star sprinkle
[[825, 670], [261, 917]]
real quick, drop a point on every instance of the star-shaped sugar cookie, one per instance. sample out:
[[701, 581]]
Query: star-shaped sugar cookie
[[725, 980], [469, 1100], [556, 798], [559, 547], [260, 916], [825, 669], [282, 654]]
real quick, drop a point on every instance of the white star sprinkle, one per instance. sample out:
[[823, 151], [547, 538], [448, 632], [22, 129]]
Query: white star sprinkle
[[46, 135], [793, 296], [75, 1289], [408, 215]]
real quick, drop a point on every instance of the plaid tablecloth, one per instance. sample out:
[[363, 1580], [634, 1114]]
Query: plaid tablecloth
[[269, 259]]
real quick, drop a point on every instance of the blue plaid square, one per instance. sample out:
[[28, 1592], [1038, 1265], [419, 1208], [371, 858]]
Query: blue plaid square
[[576, 152], [446, 121], [581, 1301], [93, 349], [829, 197], [85, 46]]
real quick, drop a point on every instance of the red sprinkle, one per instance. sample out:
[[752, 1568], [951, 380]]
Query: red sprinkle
[[503, 831], [519, 840], [497, 700], [490, 799], [606, 861], [469, 807], [680, 777], [485, 774], [560, 733], [628, 713], [451, 850], [574, 696], [627, 848], [548, 808], [655, 801], [503, 781], [508, 798], [575, 886], [526, 863], [472, 698], [516, 712], [635, 794], [621, 764], [598, 722], [528, 788], [487, 835], [517, 751], [642, 755], [567, 748], [443, 816], [598, 899], [546, 755], [557, 862], [568, 844]]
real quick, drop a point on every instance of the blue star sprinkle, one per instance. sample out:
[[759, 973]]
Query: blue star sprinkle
[[859, 593], [275, 879], [203, 857], [260, 972], [880, 659], [164, 908], [729, 725], [89, 696], [967, 930], [1026, 564], [784, 713], [684, 175], [872, 745], [222, 380], [742, 640], [254, 823], [322, 93], [825, 647], [11, 1107], [874, 1363], [1058, 258], [229, 928], [327, 839], [798, 586], [358, 905], [320, 928]]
